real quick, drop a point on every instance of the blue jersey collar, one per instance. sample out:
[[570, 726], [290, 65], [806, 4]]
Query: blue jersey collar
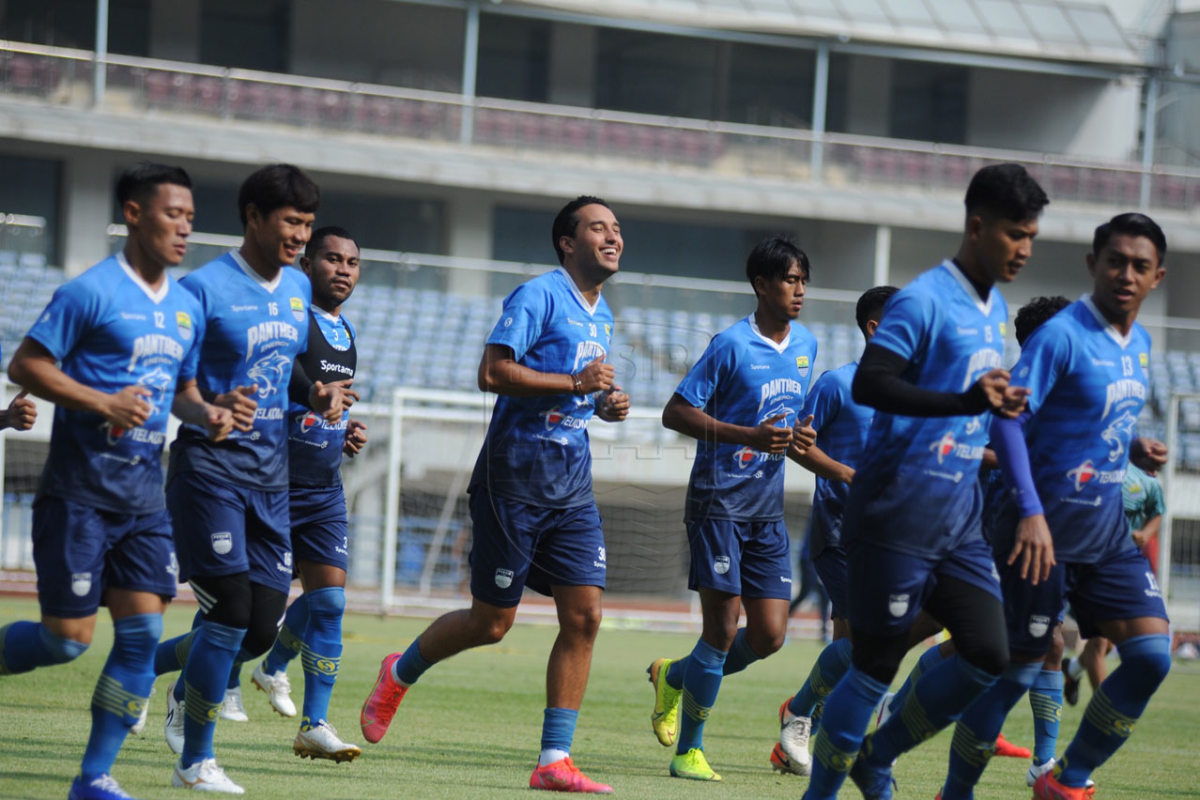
[[155, 296], [1105, 325], [270, 286], [985, 307], [590, 308]]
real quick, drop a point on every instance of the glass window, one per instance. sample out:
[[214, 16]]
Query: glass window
[[770, 86], [72, 23], [234, 33], [30, 187], [656, 74], [929, 102], [513, 58]]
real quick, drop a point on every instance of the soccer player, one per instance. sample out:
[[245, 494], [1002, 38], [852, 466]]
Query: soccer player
[[320, 532], [230, 500], [534, 516], [912, 524], [1085, 371], [841, 425], [116, 352], [740, 401]]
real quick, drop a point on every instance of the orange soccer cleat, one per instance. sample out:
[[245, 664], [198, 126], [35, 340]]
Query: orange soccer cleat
[[1007, 749], [564, 776], [381, 704]]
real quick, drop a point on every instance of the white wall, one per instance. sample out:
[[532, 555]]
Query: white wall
[[87, 208]]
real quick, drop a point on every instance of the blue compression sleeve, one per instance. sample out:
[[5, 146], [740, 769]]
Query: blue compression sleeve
[[1008, 440]]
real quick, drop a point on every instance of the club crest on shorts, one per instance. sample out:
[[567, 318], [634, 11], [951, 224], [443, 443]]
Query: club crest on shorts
[[721, 565], [1038, 625], [504, 578], [222, 542], [81, 583], [898, 605]]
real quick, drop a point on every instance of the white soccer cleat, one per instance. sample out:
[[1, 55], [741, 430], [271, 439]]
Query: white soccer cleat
[[204, 776], [173, 730], [140, 725], [321, 741], [793, 740], [883, 710], [232, 708], [1036, 772], [278, 689]]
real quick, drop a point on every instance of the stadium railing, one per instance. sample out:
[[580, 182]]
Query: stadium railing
[[62, 76]]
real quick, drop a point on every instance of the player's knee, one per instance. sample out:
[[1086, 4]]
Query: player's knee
[[1150, 657], [225, 600], [583, 622], [985, 653], [878, 657], [329, 602], [1057, 644], [490, 628], [765, 643], [266, 618], [60, 649]]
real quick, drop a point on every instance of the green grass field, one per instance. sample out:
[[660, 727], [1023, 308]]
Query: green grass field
[[471, 728]]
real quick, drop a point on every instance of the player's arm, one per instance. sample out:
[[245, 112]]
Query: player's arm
[[330, 400], [1148, 455], [500, 373], [190, 407], [879, 383], [1148, 531], [20, 414], [818, 463], [683, 417], [1033, 545], [35, 368]]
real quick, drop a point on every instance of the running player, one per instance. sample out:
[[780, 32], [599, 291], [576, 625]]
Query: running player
[[115, 351], [320, 531], [230, 500], [534, 516], [912, 524], [841, 425], [740, 401], [1085, 366]]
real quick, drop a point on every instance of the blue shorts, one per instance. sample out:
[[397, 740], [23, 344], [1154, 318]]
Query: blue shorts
[[516, 544], [223, 529], [886, 588], [80, 551], [831, 569], [320, 532], [750, 559], [1119, 586]]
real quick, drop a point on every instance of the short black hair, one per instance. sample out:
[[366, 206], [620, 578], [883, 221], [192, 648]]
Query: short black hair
[[1007, 191], [1034, 313], [278, 186], [137, 182], [1131, 224], [773, 257], [871, 303], [567, 220], [317, 240]]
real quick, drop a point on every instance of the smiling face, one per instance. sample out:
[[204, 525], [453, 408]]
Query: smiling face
[[281, 235], [782, 298], [333, 270], [596, 247], [1124, 272], [1001, 246], [160, 223]]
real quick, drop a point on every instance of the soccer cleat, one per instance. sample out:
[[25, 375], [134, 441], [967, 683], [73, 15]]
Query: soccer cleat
[[1007, 749], [1070, 685], [278, 689], [664, 719], [883, 710], [564, 776], [873, 782], [321, 741], [139, 726], [1036, 771], [204, 776], [793, 741], [781, 763], [381, 704], [693, 766], [1047, 787], [173, 730], [232, 708], [102, 787]]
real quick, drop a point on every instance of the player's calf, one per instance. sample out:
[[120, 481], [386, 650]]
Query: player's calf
[[25, 646]]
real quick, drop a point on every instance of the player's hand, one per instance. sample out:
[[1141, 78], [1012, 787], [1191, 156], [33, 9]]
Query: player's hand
[[356, 438], [332, 399], [1148, 455], [21, 414], [1003, 399], [613, 406], [803, 436], [218, 423], [596, 376], [769, 437], [127, 408], [1035, 548], [1140, 539], [241, 404]]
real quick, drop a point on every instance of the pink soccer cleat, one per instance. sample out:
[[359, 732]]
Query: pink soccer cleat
[[381, 704], [564, 776]]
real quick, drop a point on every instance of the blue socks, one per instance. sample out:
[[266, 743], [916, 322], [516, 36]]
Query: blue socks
[[290, 641], [974, 741], [205, 676], [928, 660], [558, 731], [122, 690], [25, 646], [410, 666], [1115, 707], [701, 682], [936, 700], [829, 668], [740, 654], [1046, 700], [322, 651], [847, 713]]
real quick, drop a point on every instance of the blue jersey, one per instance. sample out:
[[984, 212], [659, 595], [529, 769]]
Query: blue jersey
[[314, 445], [842, 426], [109, 330], [536, 449], [744, 378], [926, 468], [1087, 386], [254, 331]]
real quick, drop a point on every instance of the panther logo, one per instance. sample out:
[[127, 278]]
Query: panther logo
[[158, 381], [1118, 432], [269, 373]]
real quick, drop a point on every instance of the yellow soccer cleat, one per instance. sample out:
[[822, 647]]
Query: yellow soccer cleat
[[693, 766], [665, 717]]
